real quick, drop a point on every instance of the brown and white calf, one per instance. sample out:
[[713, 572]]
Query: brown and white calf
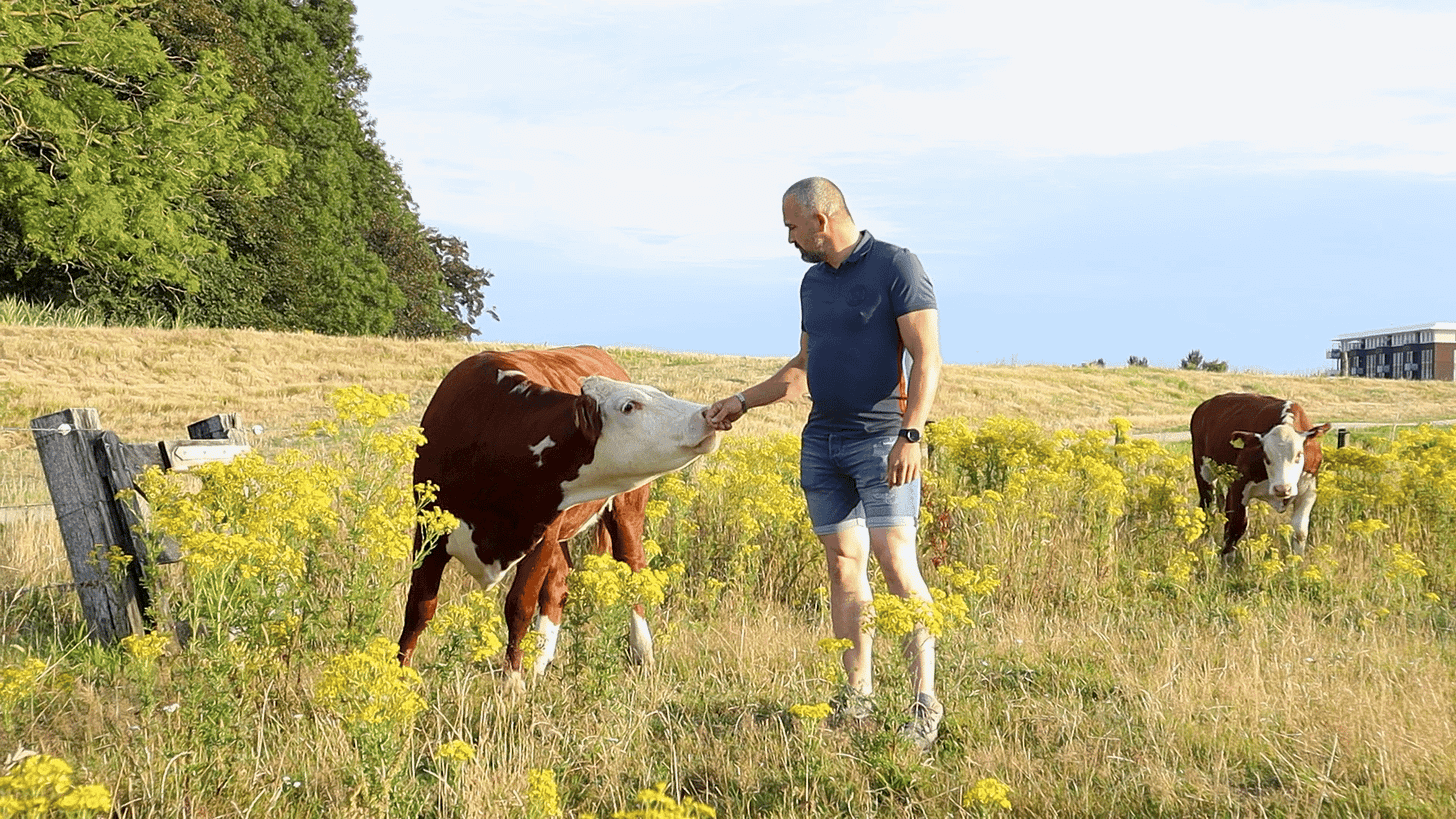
[[1274, 450], [528, 448]]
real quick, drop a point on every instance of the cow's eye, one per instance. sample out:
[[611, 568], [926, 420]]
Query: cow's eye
[[628, 407]]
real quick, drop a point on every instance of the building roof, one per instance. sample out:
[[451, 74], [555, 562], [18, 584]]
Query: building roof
[[1439, 325]]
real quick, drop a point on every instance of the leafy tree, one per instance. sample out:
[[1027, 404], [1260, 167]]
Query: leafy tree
[[211, 159], [106, 151], [1195, 361], [1134, 361]]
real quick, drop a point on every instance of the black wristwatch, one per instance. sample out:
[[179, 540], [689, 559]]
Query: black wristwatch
[[911, 435]]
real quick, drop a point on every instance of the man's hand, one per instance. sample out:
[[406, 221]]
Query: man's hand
[[904, 463], [722, 413]]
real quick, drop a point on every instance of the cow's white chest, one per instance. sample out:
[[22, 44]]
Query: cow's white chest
[[461, 546]]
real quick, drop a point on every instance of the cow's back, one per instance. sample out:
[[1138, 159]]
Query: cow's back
[[1214, 422], [487, 428]]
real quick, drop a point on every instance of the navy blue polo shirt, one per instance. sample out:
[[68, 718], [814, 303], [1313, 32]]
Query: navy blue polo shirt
[[855, 353]]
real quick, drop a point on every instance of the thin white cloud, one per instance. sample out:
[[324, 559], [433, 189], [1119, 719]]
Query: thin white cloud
[[657, 134]]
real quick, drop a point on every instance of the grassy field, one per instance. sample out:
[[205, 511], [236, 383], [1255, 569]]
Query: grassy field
[[1113, 667]]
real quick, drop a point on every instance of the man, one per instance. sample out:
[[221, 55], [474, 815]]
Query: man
[[864, 304]]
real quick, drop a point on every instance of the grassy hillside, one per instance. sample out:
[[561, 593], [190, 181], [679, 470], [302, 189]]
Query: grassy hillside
[[1099, 660], [149, 383]]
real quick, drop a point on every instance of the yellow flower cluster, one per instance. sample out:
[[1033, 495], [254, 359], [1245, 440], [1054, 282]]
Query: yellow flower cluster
[[656, 804], [18, 682], [896, 617], [1403, 564], [813, 712], [1192, 523], [455, 751], [1367, 527], [41, 785], [542, 797], [473, 623], [357, 405], [434, 522], [1416, 477], [989, 793], [146, 647], [250, 516], [965, 580], [1010, 468], [603, 582], [745, 498], [370, 687]]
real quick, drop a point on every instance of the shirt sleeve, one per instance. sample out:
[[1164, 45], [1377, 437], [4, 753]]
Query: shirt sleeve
[[910, 287]]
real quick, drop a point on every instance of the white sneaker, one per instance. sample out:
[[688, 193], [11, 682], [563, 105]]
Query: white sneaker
[[924, 725]]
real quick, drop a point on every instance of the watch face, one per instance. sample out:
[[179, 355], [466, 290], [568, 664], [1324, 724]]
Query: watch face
[[911, 435]]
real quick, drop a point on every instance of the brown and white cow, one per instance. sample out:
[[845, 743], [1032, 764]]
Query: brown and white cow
[[527, 448], [1275, 451]]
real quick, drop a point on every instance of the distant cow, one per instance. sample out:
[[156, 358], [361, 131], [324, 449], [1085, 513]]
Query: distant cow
[[1276, 453], [528, 448]]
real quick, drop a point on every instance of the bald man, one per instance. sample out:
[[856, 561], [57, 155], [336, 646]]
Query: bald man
[[864, 304]]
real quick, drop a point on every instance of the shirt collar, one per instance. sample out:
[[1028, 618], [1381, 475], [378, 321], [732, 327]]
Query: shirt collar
[[861, 249]]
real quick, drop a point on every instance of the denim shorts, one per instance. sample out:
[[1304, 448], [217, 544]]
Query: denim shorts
[[843, 478]]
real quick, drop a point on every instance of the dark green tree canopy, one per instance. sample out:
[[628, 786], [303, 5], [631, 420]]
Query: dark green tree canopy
[[215, 161]]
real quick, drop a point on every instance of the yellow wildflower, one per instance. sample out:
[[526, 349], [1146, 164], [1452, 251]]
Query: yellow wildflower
[[542, 798], [812, 712], [146, 647], [988, 794], [455, 751], [20, 681], [41, 785], [369, 687]]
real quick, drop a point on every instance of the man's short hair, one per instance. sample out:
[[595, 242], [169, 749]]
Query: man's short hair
[[818, 195]]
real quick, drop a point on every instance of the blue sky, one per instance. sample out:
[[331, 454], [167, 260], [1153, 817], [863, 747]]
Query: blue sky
[[1081, 180]]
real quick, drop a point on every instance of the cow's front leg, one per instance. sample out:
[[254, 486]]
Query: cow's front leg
[[424, 593], [1299, 518], [520, 609], [1204, 475], [1236, 519], [551, 603]]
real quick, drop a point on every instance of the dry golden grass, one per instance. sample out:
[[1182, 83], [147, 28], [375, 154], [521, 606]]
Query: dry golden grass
[[1086, 690], [150, 383]]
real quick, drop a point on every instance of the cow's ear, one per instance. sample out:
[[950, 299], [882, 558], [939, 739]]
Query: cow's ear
[[1239, 440], [1311, 434], [589, 417]]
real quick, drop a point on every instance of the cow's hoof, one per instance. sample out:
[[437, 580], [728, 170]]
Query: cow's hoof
[[515, 684]]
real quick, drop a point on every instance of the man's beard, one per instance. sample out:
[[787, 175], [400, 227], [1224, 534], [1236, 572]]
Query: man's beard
[[810, 256]]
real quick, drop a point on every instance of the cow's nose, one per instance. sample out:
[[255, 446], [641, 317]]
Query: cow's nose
[[1283, 490]]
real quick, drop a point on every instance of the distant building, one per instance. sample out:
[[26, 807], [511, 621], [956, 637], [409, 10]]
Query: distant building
[[1425, 352]]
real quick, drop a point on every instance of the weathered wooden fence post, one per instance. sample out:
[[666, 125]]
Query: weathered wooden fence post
[[111, 595], [85, 468]]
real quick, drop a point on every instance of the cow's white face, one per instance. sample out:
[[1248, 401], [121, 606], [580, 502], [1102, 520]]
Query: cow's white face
[[1284, 459], [645, 434]]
